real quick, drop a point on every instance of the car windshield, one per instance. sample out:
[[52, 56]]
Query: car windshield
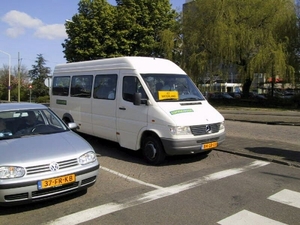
[[20, 123], [172, 87]]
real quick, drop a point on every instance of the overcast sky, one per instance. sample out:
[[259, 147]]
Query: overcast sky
[[32, 27]]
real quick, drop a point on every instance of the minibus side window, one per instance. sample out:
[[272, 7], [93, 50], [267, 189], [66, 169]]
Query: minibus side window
[[81, 86], [131, 85], [105, 86], [61, 85]]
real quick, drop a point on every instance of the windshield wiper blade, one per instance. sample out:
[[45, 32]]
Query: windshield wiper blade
[[168, 99], [191, 99]]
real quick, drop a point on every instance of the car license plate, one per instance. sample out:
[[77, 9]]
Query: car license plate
[[209, 145], [57, 181]]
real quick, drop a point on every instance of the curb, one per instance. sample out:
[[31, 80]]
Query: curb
[[278, 161], [266, 122]]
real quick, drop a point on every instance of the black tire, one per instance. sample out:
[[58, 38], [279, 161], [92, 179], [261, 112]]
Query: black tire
[[66, 120], [153, 150]]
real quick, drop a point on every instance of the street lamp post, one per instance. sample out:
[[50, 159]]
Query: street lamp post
[[30, 87], [9, 61]]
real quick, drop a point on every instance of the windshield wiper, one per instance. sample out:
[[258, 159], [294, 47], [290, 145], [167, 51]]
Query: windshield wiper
[[167, 99], [190, 99]]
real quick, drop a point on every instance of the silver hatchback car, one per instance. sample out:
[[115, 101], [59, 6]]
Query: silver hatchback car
[[40, 157]]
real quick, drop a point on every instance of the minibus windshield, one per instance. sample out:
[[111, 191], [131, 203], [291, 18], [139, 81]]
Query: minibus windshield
[[172, 87]]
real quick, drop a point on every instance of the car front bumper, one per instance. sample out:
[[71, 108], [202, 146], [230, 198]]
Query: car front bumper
[[26, 192]]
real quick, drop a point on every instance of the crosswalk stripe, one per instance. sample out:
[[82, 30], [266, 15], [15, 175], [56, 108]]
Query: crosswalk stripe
[[245, 217], [101, 210], [287, 197]]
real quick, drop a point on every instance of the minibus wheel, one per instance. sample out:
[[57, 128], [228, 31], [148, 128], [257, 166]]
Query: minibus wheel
[[153, 150], [66, 120]]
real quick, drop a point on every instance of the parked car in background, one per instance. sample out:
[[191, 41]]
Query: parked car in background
[[41, 157], [235, 95], [287, 94], [220, 95], [254, 95]]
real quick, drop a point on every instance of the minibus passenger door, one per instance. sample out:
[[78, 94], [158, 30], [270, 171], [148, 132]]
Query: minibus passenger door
[[132, 112], [104, 105]]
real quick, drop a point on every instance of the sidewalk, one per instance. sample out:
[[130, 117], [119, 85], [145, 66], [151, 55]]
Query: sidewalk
[[279, 152], [267, 116]]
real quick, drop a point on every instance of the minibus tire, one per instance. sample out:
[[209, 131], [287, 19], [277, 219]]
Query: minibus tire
[[153, 150], [66, 120]]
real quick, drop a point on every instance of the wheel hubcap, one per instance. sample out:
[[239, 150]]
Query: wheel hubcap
[[150, 151]]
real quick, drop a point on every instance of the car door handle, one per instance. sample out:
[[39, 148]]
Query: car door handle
[[122, 108]]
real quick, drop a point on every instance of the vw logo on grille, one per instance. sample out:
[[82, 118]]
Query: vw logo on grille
[[208, 129], [54, 166]]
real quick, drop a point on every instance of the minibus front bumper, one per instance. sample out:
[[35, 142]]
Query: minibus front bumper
[[191, 146]]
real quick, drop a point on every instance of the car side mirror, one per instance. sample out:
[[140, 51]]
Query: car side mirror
[[73, 126]]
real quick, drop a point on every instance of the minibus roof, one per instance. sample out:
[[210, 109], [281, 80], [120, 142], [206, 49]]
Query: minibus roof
[[141, 64]]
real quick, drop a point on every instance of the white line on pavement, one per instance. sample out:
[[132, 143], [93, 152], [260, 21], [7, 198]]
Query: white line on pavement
[[98, 211], [130, 178], [245, 217], [287, 197]]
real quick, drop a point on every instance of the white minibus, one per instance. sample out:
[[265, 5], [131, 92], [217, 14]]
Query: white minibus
[[139, 102]]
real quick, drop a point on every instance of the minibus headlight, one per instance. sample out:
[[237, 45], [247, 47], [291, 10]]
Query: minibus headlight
[[178, 130], [222, 125], [87, 158], [8, 172]]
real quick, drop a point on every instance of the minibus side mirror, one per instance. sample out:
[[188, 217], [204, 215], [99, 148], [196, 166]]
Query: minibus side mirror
[[137, 98]]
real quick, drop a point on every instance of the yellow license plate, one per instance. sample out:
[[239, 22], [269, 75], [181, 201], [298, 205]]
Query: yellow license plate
[[209, 145], [57, 181]]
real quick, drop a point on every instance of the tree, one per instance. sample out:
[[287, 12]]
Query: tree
[[133, 27], [90, 32], [38, 75], [253, 36], [295, 58], [4, 83], [24, 83], [13, 83], [145, 23]]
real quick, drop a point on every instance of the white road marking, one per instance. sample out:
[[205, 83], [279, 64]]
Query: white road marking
[[98, 211], [245, 217], [287, 197], [130, 178]]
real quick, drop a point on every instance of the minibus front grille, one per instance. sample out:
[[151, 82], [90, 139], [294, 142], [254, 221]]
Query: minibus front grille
[[205, 129]]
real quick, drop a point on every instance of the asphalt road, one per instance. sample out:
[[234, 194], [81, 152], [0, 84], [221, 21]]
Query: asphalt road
[[266, 134], [220, 188]]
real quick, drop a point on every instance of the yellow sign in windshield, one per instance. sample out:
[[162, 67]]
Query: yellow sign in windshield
[[163, 95]]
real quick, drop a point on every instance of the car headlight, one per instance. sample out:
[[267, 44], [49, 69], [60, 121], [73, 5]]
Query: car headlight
[[178, 130], [87, 158], [8, 172]]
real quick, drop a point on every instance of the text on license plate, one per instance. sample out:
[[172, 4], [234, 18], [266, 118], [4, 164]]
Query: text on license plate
[[209, 145], [57, 181]]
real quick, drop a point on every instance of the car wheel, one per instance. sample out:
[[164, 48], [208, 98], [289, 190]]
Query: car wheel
[[153, 150]]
